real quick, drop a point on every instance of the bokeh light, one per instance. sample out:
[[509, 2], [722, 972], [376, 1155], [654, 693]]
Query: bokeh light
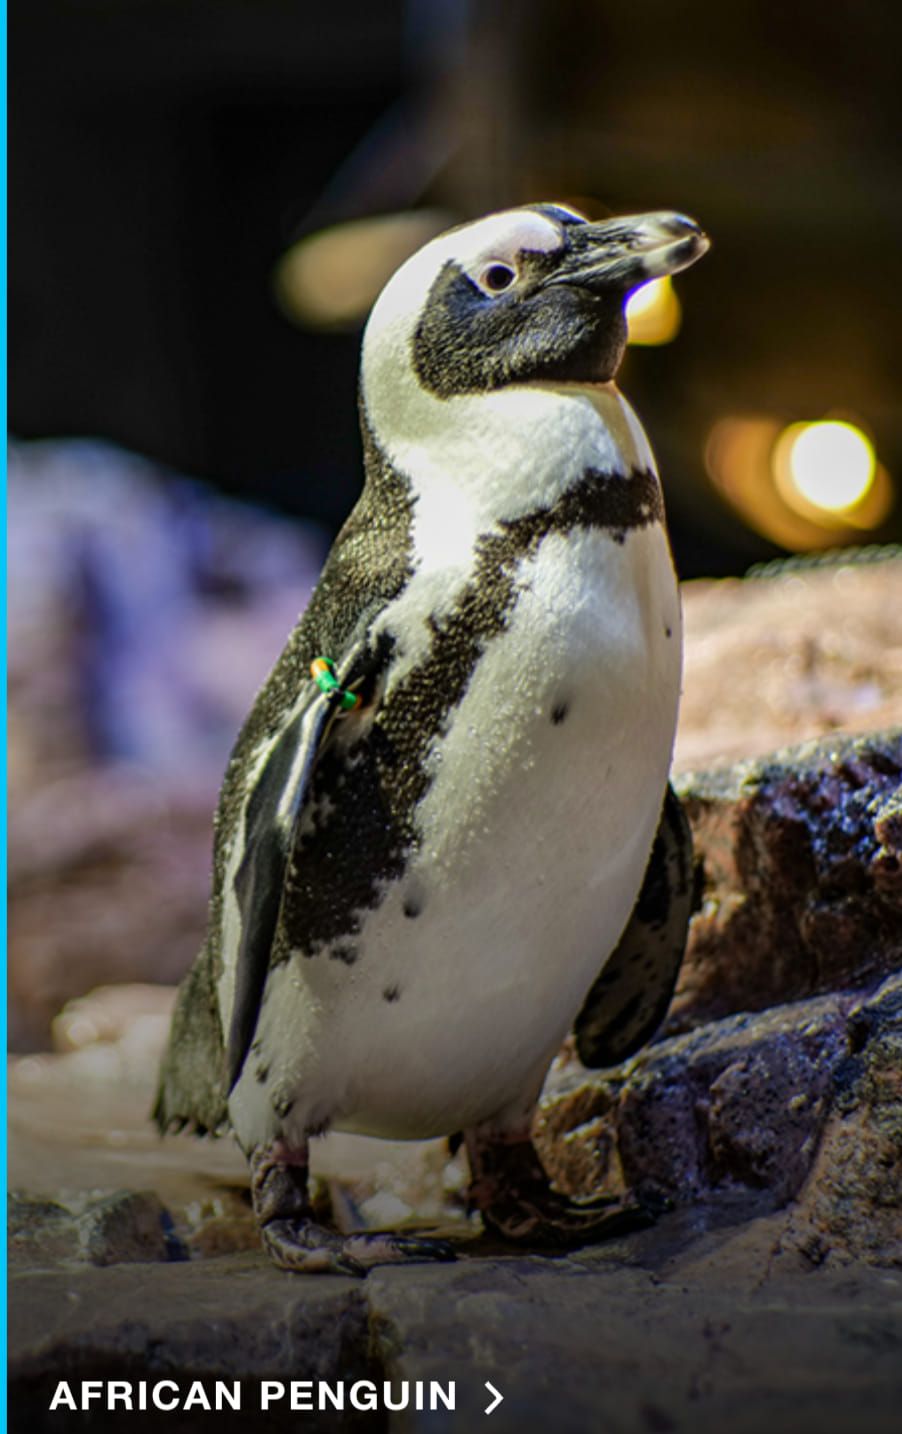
[[330, 279], [805, 485], [830, 464], [653, 313]]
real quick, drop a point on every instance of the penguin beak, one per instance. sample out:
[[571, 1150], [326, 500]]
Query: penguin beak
[[621, 254]]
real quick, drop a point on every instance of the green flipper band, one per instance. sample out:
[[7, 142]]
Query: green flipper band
[[323, 673]]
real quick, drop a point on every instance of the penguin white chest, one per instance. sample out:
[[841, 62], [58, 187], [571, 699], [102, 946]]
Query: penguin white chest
[[545, 791]]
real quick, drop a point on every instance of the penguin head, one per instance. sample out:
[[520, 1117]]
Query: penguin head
[[528, 295]]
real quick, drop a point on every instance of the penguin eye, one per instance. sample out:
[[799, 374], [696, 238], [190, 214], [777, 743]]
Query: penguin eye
[[497, 277]]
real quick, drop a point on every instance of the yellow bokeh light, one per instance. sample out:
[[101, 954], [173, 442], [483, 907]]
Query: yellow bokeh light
[[830, 464], [330, 278], [653, 313], [808, 485]]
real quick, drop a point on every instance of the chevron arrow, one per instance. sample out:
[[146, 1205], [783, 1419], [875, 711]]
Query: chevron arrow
[[496, 1397]]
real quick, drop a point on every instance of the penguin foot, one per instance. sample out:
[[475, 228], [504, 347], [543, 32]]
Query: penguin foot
[[385, 1248], [308, 1248], [290, 1234], [513, 1194]]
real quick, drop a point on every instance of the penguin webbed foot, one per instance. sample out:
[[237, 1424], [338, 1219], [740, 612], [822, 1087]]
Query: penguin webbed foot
[[514, 1196], [307, 1248], [296, 1242]]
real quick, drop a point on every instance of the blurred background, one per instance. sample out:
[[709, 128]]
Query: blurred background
[[205, 197]]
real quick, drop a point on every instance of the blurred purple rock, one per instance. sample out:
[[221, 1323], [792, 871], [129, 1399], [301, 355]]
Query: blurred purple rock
[[144, 612], [174, 600]]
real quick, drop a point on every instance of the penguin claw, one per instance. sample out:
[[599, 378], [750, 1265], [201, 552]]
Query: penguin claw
[[307, 1248], [391, 1249]]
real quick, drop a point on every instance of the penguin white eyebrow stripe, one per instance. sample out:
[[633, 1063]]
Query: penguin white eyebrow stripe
[[510, 233]]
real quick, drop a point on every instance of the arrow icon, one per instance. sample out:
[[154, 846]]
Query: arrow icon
[[496, 1397]]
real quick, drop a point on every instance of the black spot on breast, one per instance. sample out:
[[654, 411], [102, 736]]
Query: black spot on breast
[[283, 1105], [412, 908], [668, 632], [559, 713], [262, 1074], [391, 993]]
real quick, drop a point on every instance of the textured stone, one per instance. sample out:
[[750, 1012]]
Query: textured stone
[[128, 1227], [697, 1325], [108, 881], [125, 1227], [40, 1233], [227, 1318], [804, 1099], [648, 1334], [791, 655], [801, 855], [851, 1206]]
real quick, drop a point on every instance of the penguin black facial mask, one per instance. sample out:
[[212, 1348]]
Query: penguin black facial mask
[[552, 314]]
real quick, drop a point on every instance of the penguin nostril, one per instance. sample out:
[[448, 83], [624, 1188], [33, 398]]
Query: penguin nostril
[[498, 277]]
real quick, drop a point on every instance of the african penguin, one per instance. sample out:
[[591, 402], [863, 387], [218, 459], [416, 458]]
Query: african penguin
[[443, 836]]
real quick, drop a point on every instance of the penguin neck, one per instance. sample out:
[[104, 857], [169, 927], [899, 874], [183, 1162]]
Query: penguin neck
[[498, 456]]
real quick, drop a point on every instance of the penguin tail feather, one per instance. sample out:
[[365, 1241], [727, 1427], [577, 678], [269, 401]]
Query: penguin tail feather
[[191, 1091]]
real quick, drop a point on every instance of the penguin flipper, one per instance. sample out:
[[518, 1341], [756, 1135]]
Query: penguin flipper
[[272, 809], [191, 1089], [630, 997]]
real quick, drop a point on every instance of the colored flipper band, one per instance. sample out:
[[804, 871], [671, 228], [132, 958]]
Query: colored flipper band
[[323, 673]]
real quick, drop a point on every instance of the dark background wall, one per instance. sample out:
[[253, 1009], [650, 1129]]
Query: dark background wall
[[163, 155]]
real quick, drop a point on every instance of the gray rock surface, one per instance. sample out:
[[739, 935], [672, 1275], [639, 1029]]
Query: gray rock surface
[[698, 1325], [124, 1227], [680, 1329], [780, 659], [802, 1101], [232, 1317], [801, 855]]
